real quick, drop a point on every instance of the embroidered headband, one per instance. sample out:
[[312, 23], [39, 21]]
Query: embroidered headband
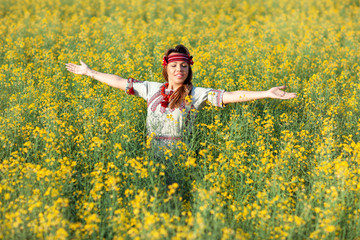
[[177, 57]]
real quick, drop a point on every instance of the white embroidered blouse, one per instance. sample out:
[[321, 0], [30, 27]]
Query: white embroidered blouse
[[166, 125]]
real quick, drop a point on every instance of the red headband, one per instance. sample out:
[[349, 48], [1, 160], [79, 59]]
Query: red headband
[[177, 57]]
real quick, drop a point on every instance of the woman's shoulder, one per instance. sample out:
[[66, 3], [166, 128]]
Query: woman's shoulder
[[153, 86], [199, 90], [135, 80], [155, 83], [148, 84], [201, 94]]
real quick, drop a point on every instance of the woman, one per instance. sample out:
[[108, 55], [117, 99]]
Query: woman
[[170, 105]]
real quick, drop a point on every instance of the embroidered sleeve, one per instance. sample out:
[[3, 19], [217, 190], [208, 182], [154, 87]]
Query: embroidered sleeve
[[137, 88], [215, 97], [201, 95]]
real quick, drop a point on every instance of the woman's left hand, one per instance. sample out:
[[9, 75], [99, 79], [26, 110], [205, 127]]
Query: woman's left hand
[[277, 93]]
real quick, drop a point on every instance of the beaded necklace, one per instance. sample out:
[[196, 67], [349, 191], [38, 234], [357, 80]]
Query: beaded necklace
[[166, 97]]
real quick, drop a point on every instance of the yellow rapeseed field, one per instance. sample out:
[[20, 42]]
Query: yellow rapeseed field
[[74, 159]]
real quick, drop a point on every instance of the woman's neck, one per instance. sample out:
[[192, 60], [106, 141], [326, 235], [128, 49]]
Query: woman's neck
[[173, 86]]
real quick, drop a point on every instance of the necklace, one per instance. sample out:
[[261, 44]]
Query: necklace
[[166, 97]]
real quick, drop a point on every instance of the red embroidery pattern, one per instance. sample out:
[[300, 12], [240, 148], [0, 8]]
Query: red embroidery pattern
[[156, 103], [156, 95], [162, 109], [130, 87], [182, 106], [218, 94]]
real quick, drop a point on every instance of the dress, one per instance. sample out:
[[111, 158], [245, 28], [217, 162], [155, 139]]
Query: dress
[[165, 125]]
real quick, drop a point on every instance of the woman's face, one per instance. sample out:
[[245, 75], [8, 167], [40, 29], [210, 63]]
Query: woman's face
[[177, 73]]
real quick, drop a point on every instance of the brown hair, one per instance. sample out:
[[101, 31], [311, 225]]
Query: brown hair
[[178, 97]]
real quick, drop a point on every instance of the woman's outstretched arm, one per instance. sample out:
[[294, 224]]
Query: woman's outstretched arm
[[244, 96], [110, 79]]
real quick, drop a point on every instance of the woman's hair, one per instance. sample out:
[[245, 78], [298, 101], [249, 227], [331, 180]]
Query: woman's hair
[[178, 97]]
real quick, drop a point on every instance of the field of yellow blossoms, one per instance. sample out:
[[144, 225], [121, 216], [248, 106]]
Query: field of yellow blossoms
[[74, 159]]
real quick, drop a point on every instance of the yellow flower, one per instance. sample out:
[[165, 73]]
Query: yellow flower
[[61, 234], [330, 228], [191, 161]]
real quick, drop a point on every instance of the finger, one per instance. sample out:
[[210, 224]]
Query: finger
[[71, 68], [282, 87], [291, 95], [71, 65]]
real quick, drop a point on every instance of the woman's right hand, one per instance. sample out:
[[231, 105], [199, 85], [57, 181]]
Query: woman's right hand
[[82, 69], [110, 79]]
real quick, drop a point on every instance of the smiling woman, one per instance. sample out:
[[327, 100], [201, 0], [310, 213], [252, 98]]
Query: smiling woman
[[170, 105]]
